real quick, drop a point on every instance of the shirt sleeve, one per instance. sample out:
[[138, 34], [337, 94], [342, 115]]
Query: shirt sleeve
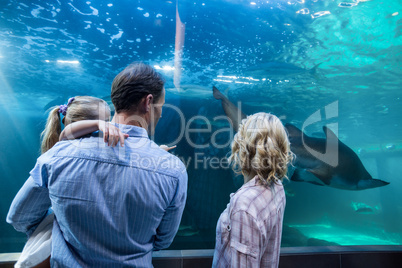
[[170, 222], [31, 203], [245, 240]]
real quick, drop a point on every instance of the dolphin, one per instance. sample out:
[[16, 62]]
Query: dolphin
[[339, 167], [349, 172]]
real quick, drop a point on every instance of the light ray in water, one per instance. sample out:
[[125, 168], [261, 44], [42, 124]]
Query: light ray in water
[[10, 103]]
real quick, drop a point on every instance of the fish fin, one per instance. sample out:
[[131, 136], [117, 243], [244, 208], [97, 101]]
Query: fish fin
[[316, 183], [372, 183], [329, 133], [296, 176], [321, 174], [293, 131], [217, 94], [226, 91], [313, 71]]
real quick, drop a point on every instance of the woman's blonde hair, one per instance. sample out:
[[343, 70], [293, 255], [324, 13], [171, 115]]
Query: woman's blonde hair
[[80, 108], [261, 147]]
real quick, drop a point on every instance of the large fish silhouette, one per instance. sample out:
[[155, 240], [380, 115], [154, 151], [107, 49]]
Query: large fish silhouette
[[333, 164], [280, 70], [348, 173]]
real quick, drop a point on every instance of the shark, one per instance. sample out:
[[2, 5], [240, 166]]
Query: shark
[[322, 161], [348, 173]]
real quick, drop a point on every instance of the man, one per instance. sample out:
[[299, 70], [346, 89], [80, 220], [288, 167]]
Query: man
[[112, 206]]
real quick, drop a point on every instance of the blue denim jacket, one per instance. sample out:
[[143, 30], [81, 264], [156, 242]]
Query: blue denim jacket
[[113, 206]]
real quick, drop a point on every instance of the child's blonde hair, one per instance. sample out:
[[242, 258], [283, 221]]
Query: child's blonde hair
[[261, 147], [78, 108]]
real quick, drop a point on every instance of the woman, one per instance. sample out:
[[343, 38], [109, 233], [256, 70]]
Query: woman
[[249, 230]]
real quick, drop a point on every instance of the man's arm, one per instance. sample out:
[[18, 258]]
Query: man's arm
[[170, 222], [31, 203]]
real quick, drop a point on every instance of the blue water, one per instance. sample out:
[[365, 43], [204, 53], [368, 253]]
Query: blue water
[[291, 58]]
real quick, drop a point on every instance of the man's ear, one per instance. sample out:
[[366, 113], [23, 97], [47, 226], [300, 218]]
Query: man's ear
[[148, 101], [145, 103]]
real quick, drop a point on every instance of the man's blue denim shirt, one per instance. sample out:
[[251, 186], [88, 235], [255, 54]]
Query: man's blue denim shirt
[[113, 206]]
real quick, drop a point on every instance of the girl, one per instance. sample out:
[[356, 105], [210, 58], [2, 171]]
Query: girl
[[36, 252], [248, 233], [78, 109]]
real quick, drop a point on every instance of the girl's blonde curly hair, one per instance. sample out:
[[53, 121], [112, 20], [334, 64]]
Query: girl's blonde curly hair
[[261, 147]]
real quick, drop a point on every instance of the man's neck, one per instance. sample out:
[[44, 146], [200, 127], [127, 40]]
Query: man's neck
[[130, 119]]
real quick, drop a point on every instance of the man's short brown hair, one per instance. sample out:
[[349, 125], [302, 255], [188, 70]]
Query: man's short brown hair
[[133, 83]]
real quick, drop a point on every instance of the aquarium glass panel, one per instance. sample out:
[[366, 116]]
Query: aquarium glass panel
[[330, 70]]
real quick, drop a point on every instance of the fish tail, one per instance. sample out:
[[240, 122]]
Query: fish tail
[[217, 94]]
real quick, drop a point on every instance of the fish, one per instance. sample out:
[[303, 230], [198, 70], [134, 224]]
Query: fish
[[280, 69], [365, 210], [318, 134], [320, 161], [190, 91], [302, 175], [187, 231], [289, 192], [362, 208], [347, 174]]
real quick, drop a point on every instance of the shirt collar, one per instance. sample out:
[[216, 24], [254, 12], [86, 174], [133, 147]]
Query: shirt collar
[[250, 183], [132, 131], [253, 182]]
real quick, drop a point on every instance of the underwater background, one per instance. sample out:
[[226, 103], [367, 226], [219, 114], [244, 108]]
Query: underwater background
[[313, 63]]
